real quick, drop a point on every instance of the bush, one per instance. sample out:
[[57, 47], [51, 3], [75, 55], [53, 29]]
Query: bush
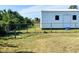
[[44, 32], [2, 31]]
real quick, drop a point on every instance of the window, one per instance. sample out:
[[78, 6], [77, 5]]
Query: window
[[74, 17], [57, 17]]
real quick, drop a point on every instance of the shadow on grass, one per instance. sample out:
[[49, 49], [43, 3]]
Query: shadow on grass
[[25, 52], [19, 52], [13, 33], [7, 45], [7, 36]]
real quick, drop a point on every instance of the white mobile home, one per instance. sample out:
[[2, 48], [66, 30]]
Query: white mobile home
[[59, 18]]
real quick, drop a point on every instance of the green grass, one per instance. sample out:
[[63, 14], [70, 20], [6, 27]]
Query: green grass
[[41, 41]]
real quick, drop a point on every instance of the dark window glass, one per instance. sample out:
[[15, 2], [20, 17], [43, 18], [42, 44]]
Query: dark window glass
[[74, 17], [57, 17]]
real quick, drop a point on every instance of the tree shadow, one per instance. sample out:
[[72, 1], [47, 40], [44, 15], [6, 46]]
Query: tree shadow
[[18, 52], [7, 45], [13, 33], [9, 34], [25, 52]]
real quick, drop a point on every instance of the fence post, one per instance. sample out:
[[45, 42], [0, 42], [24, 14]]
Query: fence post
[[8, 30], [27, 29], [35, 28], [15, 32]]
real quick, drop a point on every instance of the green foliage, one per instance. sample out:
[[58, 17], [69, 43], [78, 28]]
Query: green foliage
[[28, 21], [73, 7], [9, 20], [36, 20], [2, 31]]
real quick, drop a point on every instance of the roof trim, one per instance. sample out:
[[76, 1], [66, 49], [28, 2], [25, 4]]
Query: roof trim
[[60, 10]]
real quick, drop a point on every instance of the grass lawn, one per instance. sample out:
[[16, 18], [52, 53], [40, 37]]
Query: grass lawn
[[58, 41], [37, 40]]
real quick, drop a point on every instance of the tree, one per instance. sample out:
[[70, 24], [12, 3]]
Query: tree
[[36, 20], [11, 20], [73, 7], [2, 30], [28, 21]]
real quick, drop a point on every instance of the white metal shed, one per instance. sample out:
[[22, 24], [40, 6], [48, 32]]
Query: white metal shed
[[59, 18]]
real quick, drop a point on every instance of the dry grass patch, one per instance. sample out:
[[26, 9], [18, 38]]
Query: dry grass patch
[[42, 42]]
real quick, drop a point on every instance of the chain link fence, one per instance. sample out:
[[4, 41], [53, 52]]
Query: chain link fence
[[20, 29]]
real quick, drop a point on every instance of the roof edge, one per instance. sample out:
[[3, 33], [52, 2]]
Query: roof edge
[[60, 10]]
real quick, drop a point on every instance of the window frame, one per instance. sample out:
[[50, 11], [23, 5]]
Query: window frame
[[57, 17], [74, 17]]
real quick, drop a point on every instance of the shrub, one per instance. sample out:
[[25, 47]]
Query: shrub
[[2, 31], [44, 32]]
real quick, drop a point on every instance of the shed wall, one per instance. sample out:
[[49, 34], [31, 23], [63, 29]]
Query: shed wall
[[48, 19]]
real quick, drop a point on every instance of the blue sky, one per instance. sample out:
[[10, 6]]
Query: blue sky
[[34, 11], [31, 11], [14, 7]]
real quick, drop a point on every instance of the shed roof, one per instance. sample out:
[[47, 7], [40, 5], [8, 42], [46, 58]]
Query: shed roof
[[60, 10]]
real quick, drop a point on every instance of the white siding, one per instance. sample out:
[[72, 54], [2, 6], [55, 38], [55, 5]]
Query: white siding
[[65, 19]]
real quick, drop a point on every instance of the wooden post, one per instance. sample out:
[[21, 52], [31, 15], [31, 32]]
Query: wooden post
[[8, 29], [35, 28], [27, 28], [15, 32]]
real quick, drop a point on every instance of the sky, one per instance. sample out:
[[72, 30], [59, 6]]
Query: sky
[[34, 11], [31, 11]]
